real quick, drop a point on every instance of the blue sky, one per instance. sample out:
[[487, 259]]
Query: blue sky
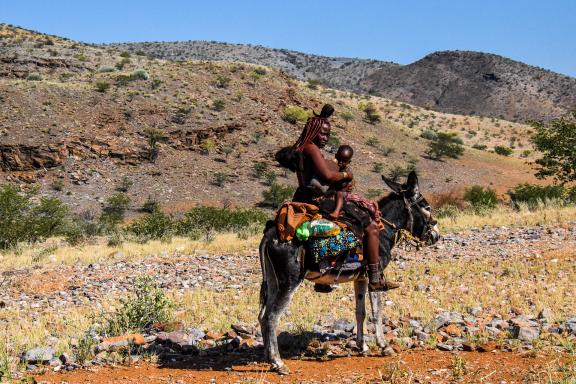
[[540, 33]]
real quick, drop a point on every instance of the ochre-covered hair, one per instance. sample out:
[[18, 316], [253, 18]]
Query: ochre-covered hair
[[313, 126]]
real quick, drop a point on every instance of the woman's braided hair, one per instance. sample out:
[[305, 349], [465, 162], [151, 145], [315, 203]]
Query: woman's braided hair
[[313, 126]]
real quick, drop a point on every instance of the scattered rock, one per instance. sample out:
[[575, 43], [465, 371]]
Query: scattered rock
[[40, 355]]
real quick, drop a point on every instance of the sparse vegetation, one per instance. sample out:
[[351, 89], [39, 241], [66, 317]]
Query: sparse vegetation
[[556, 141], [26, 217], [536, 195], [277, 194], [445, 145], [34, 77], [114, 210], [294, 114], [481, 198], [102, 86], [503, 150]]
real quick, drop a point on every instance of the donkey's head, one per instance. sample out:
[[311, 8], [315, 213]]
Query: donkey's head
[[413, 212]]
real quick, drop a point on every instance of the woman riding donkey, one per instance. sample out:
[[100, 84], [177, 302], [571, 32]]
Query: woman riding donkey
[[316, 176]]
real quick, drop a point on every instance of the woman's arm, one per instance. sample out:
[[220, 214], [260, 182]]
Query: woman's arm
[[321, 168]]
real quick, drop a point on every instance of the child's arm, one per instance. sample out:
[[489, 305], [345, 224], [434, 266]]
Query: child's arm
[[339, 197]]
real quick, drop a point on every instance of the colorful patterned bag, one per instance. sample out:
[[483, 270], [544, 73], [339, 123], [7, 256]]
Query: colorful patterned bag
[[329, 247]]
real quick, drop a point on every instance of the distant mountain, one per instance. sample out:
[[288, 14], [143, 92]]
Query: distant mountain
[[453, 81], [464, 82]]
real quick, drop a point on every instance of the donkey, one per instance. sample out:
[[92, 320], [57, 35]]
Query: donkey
[[285, 265]]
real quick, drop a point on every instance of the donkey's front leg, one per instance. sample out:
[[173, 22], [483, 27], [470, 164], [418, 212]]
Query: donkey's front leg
[[376, 302], [360, 288]]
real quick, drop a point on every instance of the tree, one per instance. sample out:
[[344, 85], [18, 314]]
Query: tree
[[446, 144], [557, 142], [154, 136]]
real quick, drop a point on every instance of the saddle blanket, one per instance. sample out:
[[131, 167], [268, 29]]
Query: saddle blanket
[[325, 248]]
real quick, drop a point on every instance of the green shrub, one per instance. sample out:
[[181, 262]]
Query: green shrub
[[220, 178], [399, 171], [34, 77], [81, 227], [24, 218], [294, 114], [347, 116], [277, 194], [200, 219], [146, 306], [260, 71], [106, 69], [125, 184], [373, 141], [371, 114], [139, 74], [222, 81], [102, 86], [503, 150], [447, 211], [154, 226], [481, 198], [480, 147], [533, 194], [114, 210], [150, 205], [446, 144], [313, 84], [377, 167], [218, 105], [429, 134], [259, 169]]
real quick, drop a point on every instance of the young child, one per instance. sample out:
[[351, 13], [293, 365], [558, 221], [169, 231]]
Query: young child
[[343, 191]]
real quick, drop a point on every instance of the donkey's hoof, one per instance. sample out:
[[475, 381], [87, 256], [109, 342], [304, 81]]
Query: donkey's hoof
[[280, 369]]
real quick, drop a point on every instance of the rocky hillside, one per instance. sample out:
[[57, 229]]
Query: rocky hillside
[[477, 83], [83, 121], [453, 81]]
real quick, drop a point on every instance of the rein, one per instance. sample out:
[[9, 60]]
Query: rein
[[403, 236]]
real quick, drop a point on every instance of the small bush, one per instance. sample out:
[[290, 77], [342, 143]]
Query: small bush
[[447, 211], [220, 178], [260, 71], [293, 114], [534, 195], [399, 171], [201, 219], [102, 86], [481, 147], [148, 305], [445, 144], [125, 184], [150, 205], [371, 114], [277, 194], [24, 218], [207, 146], [373, 141], [429, 134], [259, 169], [154, 226], [377, 167], [222, 81], [114, 210], [503, 150], [34, 77], [106, 69], [82, 227], [481, 198], [218, 105], [313, 84], [139, 74]]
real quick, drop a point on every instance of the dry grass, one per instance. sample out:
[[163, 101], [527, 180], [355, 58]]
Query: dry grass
[[58, 252], [505, 216]]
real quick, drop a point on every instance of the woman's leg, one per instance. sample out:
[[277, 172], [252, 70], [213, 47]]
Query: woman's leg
[[371, 250]]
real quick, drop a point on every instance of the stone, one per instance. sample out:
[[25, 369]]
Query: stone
[[526, 334], [213, 335], [546, 315], [444, 347], [178, 340], [468, 346], [66, 358], [40, 355], [343, 325], [446, 318], [388, 351], [421, 335]]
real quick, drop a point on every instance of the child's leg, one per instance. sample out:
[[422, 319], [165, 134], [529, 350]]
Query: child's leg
[[339, 198]]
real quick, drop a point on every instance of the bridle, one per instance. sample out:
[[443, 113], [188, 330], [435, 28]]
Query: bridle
[[405, 235]]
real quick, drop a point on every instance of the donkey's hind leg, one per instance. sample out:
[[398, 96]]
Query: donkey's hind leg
[[360, 288], [276, 304]]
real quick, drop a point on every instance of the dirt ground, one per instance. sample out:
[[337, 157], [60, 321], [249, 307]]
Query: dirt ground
[[408, 367]]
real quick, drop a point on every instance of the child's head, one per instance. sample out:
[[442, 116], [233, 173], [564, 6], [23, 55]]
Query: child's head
[[344, 155]]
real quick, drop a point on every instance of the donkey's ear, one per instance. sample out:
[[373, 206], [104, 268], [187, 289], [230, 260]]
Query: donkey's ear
[[412, 183], [394, 186]]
